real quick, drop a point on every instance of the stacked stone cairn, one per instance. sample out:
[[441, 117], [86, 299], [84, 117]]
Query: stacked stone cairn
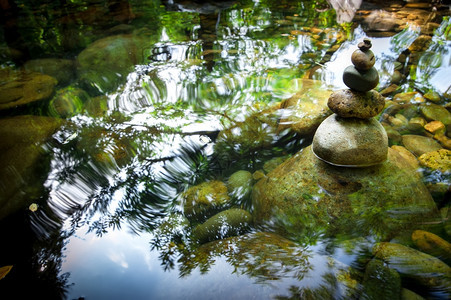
[[351, 137]]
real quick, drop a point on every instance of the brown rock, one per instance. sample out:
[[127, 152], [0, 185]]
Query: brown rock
[[352, 104]]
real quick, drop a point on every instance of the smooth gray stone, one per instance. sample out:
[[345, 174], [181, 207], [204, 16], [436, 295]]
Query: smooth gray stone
[[350, 142]]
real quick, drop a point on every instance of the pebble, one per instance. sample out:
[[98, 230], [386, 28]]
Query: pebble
[[360, 81], [435, 127], [431, 244]]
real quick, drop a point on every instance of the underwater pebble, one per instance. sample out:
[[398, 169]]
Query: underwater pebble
[[418, 144], [432, 96], [436, 112], [413, 161], [204, 199], [239, 184], [435, 127]]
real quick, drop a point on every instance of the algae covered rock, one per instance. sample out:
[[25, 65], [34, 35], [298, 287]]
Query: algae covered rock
[[19, 88], [239, 185], [305, 195], [412, 263], [23, 159], [432, 244], [227, 223], [67, 102], [437, 160], [381, 282], [436, 112], [205, 199]]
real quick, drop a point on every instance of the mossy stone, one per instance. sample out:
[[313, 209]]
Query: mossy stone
[[205, 199], [432, 244], [239, 185], [418, 144], [381, 282], [425, 268], [222, 225], [437, 160], [434, 112]]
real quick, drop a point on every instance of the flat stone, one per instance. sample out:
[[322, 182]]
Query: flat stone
[[436, 112], [418, 144], [350, 142], [352, 104], [361, 81]]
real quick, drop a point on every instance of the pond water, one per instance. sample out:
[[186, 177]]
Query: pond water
[[140, 145]]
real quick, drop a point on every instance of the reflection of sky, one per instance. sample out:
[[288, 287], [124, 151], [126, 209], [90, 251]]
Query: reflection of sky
[[120, 265]]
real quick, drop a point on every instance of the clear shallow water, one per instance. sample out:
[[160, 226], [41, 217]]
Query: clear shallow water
[[119, 166]]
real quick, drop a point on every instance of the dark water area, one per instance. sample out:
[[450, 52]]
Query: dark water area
[[161, 150]]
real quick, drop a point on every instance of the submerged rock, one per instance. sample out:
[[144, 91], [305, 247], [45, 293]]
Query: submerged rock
[[305, 194], [105, 64], [412, 263], [436, 112], [62, 69], [22, 160], [432, 244], [19, 88], [418, 144], [67, 102], [381, 282], [227, 223], [239, 185], [203, 200]]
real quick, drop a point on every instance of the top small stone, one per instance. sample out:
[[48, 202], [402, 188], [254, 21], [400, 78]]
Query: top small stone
[[365, 45], [363, 58]]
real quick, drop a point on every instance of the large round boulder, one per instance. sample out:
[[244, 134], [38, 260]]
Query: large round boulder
[[307, 197]]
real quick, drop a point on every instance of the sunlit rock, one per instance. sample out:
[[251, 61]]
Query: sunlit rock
[[227, 223], [418, 144], [305, 195], [205, 199], [412, 263], [62, 69], [19, 88], [23, 160], [437, 160], [350, 142]]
